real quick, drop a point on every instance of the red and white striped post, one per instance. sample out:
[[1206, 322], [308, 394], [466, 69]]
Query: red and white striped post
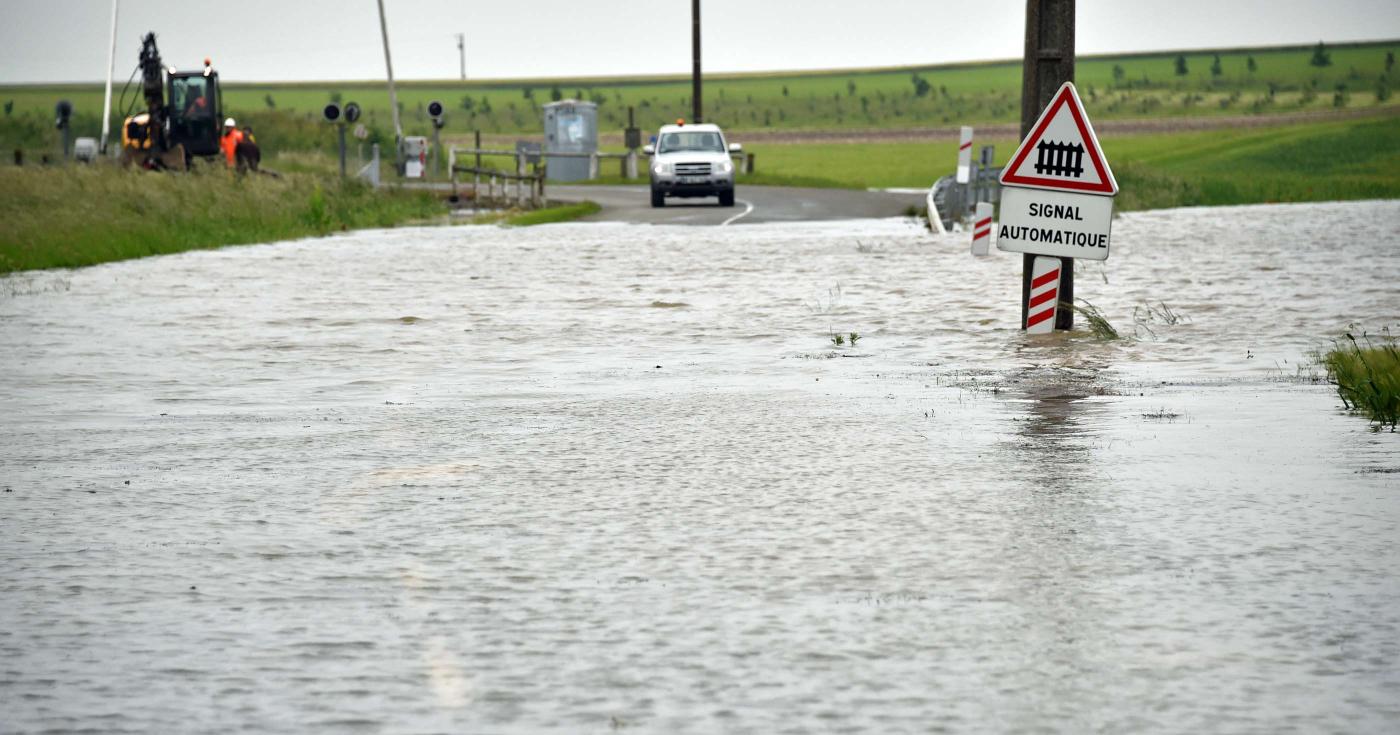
[[982, 229], [965, 156], [1044, 295]]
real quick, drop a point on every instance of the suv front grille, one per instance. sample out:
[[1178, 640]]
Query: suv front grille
[[692, 169]]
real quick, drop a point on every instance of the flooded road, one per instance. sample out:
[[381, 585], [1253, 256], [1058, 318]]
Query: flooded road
[[602, 477]]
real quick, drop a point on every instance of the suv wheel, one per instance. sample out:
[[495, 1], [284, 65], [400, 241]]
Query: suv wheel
[[658, 199], [726, 198]]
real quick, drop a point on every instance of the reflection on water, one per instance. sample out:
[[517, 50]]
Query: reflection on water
[[593, 477]]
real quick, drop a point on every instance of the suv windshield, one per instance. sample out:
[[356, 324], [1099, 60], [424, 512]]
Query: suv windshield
[[697, 141]]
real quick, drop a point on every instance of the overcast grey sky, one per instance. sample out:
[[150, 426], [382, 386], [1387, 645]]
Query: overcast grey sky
[[258, 40]]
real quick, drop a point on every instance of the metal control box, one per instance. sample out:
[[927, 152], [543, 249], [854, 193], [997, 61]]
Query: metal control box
[[570, 126]]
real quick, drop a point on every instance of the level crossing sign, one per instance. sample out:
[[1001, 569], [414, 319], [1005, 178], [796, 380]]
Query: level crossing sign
[[1057, 196]]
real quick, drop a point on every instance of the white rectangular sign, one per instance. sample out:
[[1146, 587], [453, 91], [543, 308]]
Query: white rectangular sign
[[1064, 224]]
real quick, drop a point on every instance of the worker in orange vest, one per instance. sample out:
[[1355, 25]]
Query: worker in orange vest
[[229, 142]]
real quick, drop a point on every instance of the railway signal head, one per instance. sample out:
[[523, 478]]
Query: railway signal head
[[351, 112], [331, 112]]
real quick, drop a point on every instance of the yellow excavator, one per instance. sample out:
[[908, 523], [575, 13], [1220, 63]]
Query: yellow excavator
[[168, 135]]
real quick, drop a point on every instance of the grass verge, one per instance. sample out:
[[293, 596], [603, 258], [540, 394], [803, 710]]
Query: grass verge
[[1367, 377], [71, 216], [548, 215]]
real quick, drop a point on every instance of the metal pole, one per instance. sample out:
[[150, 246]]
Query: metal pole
[[1049, 63], [695, 115], [437, 152], [107, 97], [389, 67], [340, 130], [462, 51]]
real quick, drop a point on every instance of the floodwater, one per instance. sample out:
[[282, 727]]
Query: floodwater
[[597, 478]]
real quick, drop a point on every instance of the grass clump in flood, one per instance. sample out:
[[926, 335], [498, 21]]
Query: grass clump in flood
[[71, 216], [1367, 377], [1098, 323]]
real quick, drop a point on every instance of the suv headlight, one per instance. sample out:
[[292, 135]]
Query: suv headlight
[[725, 167], [661, 168]]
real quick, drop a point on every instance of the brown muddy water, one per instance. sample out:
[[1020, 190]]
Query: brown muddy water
[[596, 478]]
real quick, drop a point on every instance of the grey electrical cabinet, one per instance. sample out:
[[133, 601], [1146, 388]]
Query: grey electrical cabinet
[[570, 126]]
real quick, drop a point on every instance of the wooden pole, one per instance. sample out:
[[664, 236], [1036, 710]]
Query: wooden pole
[[1049, 63], [695, 108]]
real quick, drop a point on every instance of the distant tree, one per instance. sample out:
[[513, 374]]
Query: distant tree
[[1382, 91], [271, 103], [1118, 74], [555, 94], [1340, 98], [1215, 69], [921, 85], [336, 97], [598, 98], [1250, 65], [864, 104], [1320, 56], [485, 105], [767, 118], [528, 93], [469, 104], [578, 94], [1181, 70], [851, 88], [785, 90], [9, 107], [1389, 61]]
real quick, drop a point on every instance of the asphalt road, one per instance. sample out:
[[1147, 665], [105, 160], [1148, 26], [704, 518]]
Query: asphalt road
[[752, 204]]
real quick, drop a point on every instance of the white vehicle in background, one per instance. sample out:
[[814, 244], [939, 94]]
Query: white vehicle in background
[[691, 161]]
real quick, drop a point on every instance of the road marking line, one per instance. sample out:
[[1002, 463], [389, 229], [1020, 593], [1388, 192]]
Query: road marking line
[[748, 207]]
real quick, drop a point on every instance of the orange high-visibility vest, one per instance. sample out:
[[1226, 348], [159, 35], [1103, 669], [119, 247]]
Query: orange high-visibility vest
[[229, 142]]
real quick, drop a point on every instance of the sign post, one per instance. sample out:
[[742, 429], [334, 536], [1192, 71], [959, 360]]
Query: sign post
[[1056, 200], [1048, 63]]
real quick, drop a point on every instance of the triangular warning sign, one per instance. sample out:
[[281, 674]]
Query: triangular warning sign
[[1061, 152]]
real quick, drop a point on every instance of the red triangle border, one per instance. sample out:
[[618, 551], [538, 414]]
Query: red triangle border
[[1105, 185]]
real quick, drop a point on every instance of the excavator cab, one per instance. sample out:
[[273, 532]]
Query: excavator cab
[[196, 111], [181, 121]]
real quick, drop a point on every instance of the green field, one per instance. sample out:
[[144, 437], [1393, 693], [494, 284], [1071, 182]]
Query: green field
[[131, 214], [1303, 162], [1113, 87]]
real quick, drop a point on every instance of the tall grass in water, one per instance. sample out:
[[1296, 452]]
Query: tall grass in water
[[74, 216], [1098, 323], [1367, 377]]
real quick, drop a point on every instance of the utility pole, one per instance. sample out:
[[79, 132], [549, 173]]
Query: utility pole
[[107, 96], [1049, 63], [393, 96], [695, 116], [462, 52]]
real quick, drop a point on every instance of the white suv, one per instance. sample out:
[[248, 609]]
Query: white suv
[[691, 161]]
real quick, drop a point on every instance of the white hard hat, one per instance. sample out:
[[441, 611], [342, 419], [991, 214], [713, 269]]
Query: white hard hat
[[229, 123]]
